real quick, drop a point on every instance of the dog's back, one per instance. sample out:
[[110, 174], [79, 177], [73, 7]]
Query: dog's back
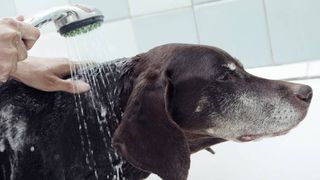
[[62, 136]]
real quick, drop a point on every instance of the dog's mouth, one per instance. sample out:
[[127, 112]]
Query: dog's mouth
[[254, 137]]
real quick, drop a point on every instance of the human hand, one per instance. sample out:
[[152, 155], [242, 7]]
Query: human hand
[[16, 37], [46, 74]]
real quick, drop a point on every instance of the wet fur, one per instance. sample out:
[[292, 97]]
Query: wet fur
[[40, 136]]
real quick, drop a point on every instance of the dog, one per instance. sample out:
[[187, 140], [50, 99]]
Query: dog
[[143, 115]]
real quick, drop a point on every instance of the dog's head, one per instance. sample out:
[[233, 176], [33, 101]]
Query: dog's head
[[177, 89]]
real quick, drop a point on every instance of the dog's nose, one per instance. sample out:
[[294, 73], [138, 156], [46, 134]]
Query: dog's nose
[[304, 93]]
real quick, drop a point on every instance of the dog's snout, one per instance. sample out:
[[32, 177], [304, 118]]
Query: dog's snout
[[304, 93]]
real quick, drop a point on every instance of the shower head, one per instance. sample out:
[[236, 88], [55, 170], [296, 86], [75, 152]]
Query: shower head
[[70, 20]]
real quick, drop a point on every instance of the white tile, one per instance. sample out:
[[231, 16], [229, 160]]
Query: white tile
[[50, 45], [32, 7], [119, 39], [112, 9], [7, 9], [138, 7], [314, 68], [294, 28], [237, 26], [286, 71], [170, 27]]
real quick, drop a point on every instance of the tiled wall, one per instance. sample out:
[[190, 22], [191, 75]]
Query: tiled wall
[[258, 32]]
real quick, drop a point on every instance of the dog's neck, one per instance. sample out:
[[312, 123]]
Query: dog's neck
[[103, 105], [109, 86], [124, 73]]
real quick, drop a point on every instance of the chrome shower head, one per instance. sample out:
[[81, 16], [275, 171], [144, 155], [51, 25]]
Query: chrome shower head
[[70, 20]]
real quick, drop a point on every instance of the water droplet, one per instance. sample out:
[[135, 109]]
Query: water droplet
[[56, 156]]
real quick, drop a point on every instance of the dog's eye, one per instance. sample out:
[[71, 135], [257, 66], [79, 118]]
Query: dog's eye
[[226, 77]]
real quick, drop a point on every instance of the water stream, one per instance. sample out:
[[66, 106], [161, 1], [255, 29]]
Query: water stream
[[90, 50]]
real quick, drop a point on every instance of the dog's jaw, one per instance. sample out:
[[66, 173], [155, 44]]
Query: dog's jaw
[[256, 137]]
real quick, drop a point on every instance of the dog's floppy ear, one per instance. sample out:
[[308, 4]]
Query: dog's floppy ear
[[148, 137]]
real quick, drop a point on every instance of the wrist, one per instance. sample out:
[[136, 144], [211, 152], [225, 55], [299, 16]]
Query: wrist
[[21, 70]]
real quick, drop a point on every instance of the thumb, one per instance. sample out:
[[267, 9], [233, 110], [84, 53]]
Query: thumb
[[72, 86], [20, 18]]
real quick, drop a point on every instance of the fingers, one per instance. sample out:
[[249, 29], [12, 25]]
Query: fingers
[[29, 34], [11, 52], [45, 74], [21, 48], [64, 66], [8, 61], [72, 86], [13, 68]]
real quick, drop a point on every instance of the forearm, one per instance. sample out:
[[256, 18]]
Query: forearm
[[36, 64], [21, 66], [47, 74]]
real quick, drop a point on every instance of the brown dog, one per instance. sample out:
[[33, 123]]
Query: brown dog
[[158, 107]]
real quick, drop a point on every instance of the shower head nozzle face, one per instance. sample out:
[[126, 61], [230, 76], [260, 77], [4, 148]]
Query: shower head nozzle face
[[80, 20], [81, 26]]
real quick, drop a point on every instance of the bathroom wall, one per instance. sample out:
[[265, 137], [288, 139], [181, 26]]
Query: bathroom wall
[[276, 39], [258, 32]]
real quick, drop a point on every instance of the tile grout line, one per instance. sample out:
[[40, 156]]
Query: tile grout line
[[268, 31], [300, 78], [15, 8], [207, 2], [130, 18], [161, 12], [307, 69], [195, 21]]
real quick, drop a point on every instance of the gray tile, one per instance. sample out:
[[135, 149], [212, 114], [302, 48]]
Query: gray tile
[[294, 28], [237, 26], [170, 27], [7, 9], [112, 9], [204, 1]]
